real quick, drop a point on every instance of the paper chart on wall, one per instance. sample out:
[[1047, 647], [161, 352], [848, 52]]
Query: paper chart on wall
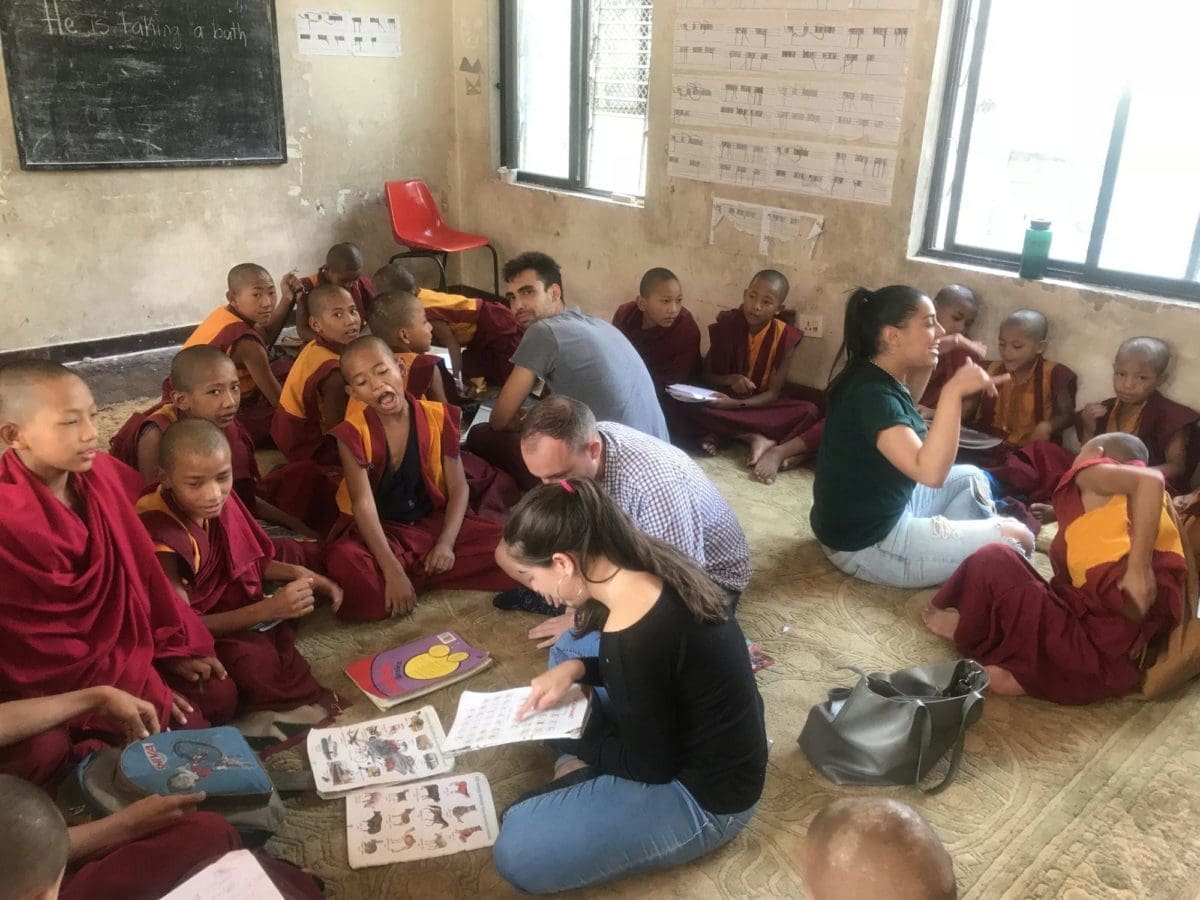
[[858, 49], [838, 171], [788, 106], [342, 33], [768, 222]]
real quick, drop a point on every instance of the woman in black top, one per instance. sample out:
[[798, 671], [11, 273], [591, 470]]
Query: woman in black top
[[672, 767]]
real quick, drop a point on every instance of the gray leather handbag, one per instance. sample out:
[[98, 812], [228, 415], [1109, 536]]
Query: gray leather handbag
[[893, 729]]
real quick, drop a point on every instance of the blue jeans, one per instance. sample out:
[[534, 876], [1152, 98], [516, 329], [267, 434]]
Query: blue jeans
[[605, 828], [938, 529]]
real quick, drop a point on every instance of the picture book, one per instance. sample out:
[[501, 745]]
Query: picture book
[[417, 821], [415, 669], [489, 720], [393, 750]]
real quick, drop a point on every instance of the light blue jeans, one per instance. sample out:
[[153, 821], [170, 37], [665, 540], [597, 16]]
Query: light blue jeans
[[603, 829], [938, 529]]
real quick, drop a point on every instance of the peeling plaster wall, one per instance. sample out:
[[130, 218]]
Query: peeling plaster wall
[[96, 254], [605, 247]]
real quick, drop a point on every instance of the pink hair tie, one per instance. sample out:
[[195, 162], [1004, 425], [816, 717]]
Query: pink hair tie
[[566, 486]]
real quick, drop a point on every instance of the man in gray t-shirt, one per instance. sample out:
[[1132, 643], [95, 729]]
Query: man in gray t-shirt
[[577, 355]]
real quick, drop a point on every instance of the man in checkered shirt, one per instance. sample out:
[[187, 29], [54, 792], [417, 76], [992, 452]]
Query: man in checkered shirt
[[658, 486]]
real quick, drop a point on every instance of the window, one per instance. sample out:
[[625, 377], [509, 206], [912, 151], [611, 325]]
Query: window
[[1081, 117], [575, 91]]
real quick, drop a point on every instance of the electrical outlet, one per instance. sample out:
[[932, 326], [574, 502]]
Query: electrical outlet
[[812, 326]]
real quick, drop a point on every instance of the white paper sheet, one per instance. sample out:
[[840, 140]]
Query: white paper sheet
[[770, 223], [489, 720], [235, 876]]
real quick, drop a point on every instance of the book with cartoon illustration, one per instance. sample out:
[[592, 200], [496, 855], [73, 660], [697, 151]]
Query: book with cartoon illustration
[[415, 669], [393, 750], [417, 821]]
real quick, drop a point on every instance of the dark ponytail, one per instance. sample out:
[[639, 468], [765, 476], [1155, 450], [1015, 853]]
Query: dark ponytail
[[867, 314], [576, 516]]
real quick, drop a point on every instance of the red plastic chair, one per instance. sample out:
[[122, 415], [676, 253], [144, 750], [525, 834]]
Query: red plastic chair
[[417, 224]]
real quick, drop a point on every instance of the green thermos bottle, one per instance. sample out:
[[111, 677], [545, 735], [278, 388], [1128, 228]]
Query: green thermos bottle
[[1036, 252]]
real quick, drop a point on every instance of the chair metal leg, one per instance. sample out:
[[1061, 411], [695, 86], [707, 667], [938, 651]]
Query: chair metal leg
[[437, 256], [442, 262], [495, 272]]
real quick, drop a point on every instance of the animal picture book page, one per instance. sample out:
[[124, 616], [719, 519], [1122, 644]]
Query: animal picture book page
[[489, 720], [400, 748], [417, 821]]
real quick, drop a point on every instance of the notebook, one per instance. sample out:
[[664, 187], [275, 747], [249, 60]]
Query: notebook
[[690, 393], [489, 720], [417, 668]]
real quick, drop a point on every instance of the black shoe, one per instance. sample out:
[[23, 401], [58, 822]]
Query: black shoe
[[522, 599]]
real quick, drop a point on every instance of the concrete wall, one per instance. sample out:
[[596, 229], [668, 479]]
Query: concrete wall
[[605, 247], [95, 254]]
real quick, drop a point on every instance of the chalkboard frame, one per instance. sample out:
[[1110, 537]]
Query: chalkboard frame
[[276, 87]]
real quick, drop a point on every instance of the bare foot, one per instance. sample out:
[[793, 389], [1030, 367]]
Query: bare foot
[[793, 462], [1003, 682], [1043, 512], [568, 767], [758, 446], [942, 622], [708, 444], [768, 465]]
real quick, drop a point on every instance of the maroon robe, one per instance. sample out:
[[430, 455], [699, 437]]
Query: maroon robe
[[1067, 640], [672, 355], [1160, 421], [502, 450], [348, 559], [361, 291], [947, 365], [489, 355], [222, 564], [729, 354], [85, 603]]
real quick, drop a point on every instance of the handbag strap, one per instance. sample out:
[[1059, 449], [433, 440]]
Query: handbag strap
[[955, 755]]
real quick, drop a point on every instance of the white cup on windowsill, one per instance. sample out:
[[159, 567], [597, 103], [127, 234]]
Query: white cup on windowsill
[[507, 175]]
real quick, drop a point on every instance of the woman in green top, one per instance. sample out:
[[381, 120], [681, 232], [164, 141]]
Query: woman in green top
[[889, 505]]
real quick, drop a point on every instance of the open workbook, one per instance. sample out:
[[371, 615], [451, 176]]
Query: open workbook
[[489, 720]]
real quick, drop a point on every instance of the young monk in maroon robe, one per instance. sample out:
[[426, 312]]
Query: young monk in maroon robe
[[481, 335], [244, 328], [343, 268], [957, 308], [1167, 428], [1119, 583], [399, 319], [661, 329], [750, 352], [204, 385], [404, 496], [83, 601], [142, 851], [217, 558], [314, 395]]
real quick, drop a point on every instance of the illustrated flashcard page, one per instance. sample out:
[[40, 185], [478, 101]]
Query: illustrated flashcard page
[[395, 749], [408, 822], [489, 720]]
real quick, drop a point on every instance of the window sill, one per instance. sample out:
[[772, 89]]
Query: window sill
[[613, 199], [1105, 290]]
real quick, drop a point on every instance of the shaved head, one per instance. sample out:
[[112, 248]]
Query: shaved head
[[394, 277], [195, 436], [245, 273], [865, 848], [1151, 350], [393, 311], [33, 839], [20, 383], [956, 293], [1030, 321], [1120, 446], [344, 258], [653, 278], [321, 296], [777, 279], [191, 362], [371, 342]]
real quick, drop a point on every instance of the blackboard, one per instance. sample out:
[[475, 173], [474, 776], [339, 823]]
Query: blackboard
[[136, 83]]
